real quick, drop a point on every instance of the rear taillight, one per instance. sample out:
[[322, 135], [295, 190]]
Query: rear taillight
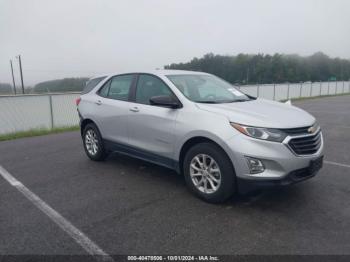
[[77, 101]]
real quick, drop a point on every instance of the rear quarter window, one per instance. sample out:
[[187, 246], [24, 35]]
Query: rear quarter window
[[91, 84]]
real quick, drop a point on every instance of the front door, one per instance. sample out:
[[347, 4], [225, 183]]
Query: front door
[[151, 128]]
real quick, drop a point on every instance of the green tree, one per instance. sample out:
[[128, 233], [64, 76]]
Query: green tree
[[277, 68], [6, 89], [61, 85]]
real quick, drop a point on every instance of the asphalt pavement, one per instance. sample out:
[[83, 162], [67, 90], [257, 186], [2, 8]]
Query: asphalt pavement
[[128, 206]]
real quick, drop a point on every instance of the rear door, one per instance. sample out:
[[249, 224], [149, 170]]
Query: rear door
[[112, 108], [151, 128]]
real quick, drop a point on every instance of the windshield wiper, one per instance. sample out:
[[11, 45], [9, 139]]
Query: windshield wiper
[[208, 102], [222, 101], [240, 100]]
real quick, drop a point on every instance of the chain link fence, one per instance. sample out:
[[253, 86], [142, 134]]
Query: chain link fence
[[296, 90], [47, 111]]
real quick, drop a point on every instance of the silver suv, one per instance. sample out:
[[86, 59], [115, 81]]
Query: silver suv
[[221, 140]]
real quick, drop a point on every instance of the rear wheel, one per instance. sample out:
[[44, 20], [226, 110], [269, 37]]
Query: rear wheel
[[93, 143], [209, 173]]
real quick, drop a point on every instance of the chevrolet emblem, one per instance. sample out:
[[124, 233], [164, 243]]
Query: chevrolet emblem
[[312, 129]]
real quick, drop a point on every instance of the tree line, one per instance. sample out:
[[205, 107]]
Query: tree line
[[238, 69], [266, 69], [52, 86], [61, 85], [5, 89]]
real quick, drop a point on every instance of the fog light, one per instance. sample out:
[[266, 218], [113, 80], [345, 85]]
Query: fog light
[[255, 165]]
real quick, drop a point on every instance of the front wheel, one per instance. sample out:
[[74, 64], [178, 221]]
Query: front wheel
[[93, 143], [209, 173]]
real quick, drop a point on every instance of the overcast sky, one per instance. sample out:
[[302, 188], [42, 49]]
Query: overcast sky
[[66, 38]]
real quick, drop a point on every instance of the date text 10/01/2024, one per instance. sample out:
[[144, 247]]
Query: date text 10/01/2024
[[173, 258]]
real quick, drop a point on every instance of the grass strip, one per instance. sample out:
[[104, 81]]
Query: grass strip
[[37, 132]]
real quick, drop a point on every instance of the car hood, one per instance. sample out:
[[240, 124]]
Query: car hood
[[262, 113]]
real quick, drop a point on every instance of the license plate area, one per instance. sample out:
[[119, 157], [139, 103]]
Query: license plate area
[[315, 165]]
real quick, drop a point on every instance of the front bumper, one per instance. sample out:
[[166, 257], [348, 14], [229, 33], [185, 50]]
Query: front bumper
[[248, 185], [282, 166]]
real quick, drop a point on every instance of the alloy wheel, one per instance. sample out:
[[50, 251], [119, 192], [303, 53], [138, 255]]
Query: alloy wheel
[[205, 173], [91, 142]]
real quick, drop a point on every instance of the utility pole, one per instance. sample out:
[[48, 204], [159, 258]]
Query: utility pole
[[13, 78], [20, 69]]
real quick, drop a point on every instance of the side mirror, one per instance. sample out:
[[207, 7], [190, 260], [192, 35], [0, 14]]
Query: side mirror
[[165, 101]]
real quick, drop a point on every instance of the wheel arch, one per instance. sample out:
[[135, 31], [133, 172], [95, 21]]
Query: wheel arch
[[84, 123], [194, 141]]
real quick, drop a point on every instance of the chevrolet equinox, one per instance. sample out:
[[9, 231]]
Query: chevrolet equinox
[[222, 140]]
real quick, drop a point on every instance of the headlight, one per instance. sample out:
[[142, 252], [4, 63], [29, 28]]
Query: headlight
[[269, 134]]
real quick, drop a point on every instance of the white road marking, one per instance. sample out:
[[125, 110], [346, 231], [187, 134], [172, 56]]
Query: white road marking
[[335, 126], [326, 112], [343, 126], [336, 164], [63, 223]]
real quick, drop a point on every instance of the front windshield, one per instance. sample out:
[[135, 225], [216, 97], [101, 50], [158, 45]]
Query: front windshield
[[207, 89]]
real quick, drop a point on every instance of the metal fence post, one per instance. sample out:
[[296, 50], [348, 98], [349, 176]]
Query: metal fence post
[[301, 89], [320, 88], [274, 92], [311, 90], [328, 89], [343, 87], [258, 91], [51, 112], [336, 87], [288, 91]]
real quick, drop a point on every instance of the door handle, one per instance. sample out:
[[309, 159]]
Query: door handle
[[98, 102], [134, 109]]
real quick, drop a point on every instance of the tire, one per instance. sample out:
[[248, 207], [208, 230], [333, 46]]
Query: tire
[[223, 186], [97, 153]]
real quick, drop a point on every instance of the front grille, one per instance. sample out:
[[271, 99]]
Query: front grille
[[296, 131], [307, 145]]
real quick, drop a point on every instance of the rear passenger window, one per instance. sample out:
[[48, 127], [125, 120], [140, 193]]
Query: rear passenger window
[[104, 90], [91, 84], [119, 87]]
